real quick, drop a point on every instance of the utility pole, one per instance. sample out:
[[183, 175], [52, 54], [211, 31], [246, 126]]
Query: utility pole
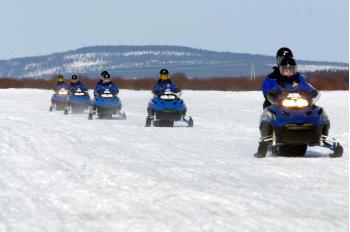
[[252, 69]]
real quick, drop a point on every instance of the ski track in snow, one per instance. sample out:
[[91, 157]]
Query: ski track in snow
[[66, 173]]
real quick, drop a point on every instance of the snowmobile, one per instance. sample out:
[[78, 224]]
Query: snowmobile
[[59, 100], [297, 124], [107, 106], [168, 110], [78, 101]]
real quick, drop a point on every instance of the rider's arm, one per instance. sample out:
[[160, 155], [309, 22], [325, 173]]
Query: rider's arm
[[98, 90], [271, 89], [56, 87], [83, 87], [175, 89], [156, 89], [116, 89], [273, 94], [305, 86], [268, 85]]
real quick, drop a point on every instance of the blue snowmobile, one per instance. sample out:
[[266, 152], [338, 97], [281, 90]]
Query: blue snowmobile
[[168, 110], [78, 101], [297, 124], [107, 106], [59, 100]]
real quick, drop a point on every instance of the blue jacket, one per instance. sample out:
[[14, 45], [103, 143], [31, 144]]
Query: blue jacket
[[60, 85], [98, 84], [276, 83], [161, 85], [102, 86], [77, 85]]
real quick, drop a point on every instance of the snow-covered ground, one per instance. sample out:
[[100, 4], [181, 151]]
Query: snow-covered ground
[[313, 68], [66, 173]]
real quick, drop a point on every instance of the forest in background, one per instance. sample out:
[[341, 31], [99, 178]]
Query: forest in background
[[322, 80]]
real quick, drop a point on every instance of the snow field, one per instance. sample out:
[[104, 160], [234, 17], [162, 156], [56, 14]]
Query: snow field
[[67, 173]]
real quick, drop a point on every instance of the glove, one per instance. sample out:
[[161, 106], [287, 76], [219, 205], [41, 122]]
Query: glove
[[178, 94], [274, 91], [273, 94], [313, 93]]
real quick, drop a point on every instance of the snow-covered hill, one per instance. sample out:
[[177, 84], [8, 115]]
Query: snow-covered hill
[[143, 61], [66, 173]]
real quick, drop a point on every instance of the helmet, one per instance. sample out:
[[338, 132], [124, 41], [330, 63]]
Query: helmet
[[102, 74], [283, 52], [60, 77], [288, 64], [74, 77], [164, 74], [164, 71]]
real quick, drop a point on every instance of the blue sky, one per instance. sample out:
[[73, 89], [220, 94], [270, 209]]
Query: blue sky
[[313, 29]]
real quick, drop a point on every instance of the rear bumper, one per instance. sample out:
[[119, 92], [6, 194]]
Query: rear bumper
[[168, 115], [298, 134]]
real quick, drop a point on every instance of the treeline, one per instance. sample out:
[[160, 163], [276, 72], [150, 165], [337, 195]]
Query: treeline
[[323, 80]]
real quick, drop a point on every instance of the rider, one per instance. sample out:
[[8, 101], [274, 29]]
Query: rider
[[77, 84], [103, 73], [165, 83], [104, 84], [281, 53], [288, 79], [60, 83]]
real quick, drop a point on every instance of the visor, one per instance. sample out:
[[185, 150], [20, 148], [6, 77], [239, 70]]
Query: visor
[[288, 70]]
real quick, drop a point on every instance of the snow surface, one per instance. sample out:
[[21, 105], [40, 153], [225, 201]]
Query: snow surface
[[314, 68], [66, 173]]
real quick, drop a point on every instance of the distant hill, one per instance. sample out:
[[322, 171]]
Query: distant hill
[[146, 61]]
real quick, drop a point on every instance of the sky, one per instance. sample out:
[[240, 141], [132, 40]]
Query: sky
[[313, 29]]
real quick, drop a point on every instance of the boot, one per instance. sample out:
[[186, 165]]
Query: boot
[[265, 131], [262, 150], [325, 129], [150, 112]]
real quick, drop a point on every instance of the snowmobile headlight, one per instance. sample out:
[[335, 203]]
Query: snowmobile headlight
[[167, 97], [301, 102], [288, 103], [63, 92], [79, 94], [106, 95]]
